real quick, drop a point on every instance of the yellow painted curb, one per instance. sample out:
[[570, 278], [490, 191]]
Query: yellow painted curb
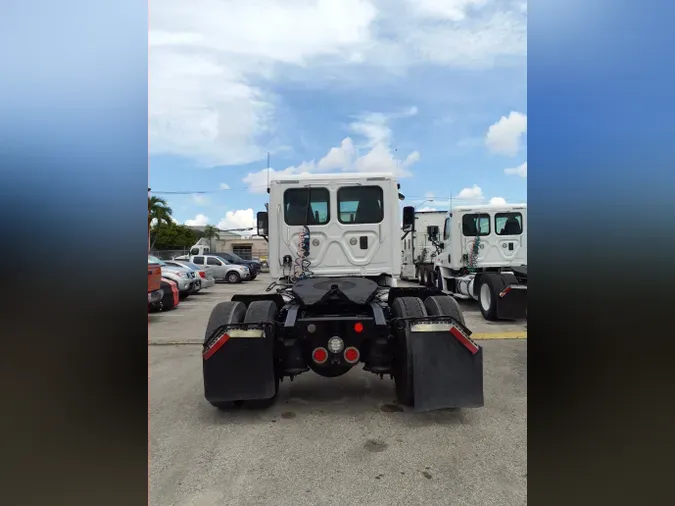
[[499, 335]]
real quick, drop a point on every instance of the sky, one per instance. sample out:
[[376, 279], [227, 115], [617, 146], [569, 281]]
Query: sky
[[434, 91]]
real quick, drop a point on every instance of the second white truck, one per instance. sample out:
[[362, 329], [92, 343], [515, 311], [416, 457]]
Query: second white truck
[[480, 253], [420, 247]]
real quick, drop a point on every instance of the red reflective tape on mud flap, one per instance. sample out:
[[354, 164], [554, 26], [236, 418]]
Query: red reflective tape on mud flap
[[468, 343], [215, 346], [504, 292]]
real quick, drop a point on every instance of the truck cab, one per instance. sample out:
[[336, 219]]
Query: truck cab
[[499, 231], [334, 225], [484, 257]]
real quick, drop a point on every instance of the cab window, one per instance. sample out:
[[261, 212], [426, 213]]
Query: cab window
[[360, 204], [213, 261], [508, 223], [446, 229], [475, 225], [198, 260], [306, 206]]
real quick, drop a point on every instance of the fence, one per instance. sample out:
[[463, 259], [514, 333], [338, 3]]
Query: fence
[[168, 254]]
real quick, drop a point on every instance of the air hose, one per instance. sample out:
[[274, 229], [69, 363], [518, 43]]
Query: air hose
[[473, 256]]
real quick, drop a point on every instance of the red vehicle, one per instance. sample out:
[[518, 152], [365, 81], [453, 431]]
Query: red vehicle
[[155, 292]]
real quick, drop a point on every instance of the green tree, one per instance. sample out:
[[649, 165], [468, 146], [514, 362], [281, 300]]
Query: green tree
[[173, 236], [160, 212], [210, 232]]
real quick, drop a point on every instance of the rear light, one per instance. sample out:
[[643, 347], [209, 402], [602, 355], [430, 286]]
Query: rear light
[[335, 344], [358, 327], [352, 355], [320, 355], [202, 274]]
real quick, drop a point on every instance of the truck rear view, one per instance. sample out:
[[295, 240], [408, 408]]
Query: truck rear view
[[334, 251]]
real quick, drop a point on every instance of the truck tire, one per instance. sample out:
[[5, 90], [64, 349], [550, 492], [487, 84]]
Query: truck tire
[[488, 292], [223, 314], [405, 307], [262, 311], [444, 305], [233, 277]]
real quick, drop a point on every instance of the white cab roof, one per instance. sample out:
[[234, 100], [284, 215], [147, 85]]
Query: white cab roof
[[342, 176], [490, 207]]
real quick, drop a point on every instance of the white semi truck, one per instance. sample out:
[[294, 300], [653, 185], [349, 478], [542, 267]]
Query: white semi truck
[[333, 251], [420, 249], [482, 255]]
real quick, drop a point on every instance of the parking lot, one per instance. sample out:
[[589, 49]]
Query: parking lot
[[331, 441]]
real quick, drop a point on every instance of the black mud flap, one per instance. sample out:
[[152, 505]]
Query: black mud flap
[[512, 303], [238, 363], [447, 367]]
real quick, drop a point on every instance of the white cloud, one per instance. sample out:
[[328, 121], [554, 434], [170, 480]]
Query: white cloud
[[521, 170], [422, 209], [224, 186], [241, 218], [339, 157], [453, 10], [199, 199], [199, 221], [213, 64], [379, 156], [503, 137], [497, 201], [475, 193]]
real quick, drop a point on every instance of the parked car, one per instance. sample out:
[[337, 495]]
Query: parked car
[[201, 249], [253, 265], [170, 296], [182, 276], [221, 269], [154, 281], [204, 278]]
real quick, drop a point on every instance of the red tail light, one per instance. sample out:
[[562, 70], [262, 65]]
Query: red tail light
[[202, 274], [358, 327], [352, 355], [320, 355]]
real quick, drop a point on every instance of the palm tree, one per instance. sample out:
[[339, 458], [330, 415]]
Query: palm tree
[[159, 211], [210, 232]]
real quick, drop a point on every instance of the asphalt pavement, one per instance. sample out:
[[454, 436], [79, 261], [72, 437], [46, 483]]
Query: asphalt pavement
[[327, 441]]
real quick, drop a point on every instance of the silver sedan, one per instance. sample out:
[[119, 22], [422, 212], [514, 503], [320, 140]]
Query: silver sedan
[[203, 277]]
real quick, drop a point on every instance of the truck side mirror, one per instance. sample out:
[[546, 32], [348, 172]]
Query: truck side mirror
[[262, 223], [432, 232], [408, 218]]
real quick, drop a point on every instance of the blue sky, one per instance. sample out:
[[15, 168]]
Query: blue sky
[[433, 90]]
